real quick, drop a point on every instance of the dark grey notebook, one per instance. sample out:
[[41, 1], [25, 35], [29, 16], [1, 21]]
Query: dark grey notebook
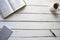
[[5, 33]]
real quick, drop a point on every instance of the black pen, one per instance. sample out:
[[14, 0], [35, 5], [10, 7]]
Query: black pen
[[52, 32]]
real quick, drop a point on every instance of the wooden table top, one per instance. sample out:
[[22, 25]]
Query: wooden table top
[[34, 21]]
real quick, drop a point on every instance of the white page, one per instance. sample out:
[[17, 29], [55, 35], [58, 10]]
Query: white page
[[0, 11], [16, 4], [5, 8]]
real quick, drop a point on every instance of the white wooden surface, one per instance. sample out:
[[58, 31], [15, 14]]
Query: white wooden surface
[[33, 21], [41, 2]]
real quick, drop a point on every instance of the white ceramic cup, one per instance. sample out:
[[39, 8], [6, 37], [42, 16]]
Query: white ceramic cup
[[54, 8]]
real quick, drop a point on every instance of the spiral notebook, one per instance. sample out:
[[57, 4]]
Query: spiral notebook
[[8, 7]]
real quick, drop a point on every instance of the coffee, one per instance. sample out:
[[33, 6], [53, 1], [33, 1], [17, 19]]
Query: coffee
[[56, 5]]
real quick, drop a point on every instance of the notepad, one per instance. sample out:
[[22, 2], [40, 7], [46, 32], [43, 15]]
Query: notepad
[[5, 33], [8, 7]]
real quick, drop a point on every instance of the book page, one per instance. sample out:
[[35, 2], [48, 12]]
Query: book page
[[0, 11], [5, 8], [16, 4]]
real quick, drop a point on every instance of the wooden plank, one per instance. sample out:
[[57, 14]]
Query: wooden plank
[[31, 25], [35, 9], [31, 33], [40, 2], [34, 17], [44, 38], [29, 38], [57, 32]]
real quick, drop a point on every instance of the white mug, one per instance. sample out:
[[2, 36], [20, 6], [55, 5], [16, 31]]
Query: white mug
[[54, 8]]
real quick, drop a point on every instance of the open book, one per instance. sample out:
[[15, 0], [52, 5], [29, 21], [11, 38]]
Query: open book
[[8, 7]]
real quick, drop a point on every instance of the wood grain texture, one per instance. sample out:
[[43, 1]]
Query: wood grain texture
[[31, 33], [44, 38], [31, 25], [33, 21], [40, 2], [34, 17], [57, 32]]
